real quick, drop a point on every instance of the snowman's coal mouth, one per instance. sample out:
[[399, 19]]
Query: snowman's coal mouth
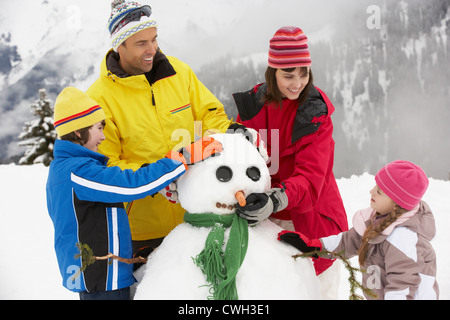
[[225, 206]]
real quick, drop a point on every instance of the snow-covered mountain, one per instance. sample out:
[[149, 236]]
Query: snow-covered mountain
[[391, 87], [385, 71], [52, 44], [48, 45]]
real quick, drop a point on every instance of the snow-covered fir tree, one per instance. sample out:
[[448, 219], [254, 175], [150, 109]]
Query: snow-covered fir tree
[[39, 135]]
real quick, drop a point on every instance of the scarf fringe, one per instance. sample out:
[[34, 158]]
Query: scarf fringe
[[210, 261], [219, 267]]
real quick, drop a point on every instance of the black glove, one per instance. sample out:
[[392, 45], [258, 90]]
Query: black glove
[[300, 241], [261, 205]]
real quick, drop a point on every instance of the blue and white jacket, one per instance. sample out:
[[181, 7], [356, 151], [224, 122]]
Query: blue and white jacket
[[85, 202]]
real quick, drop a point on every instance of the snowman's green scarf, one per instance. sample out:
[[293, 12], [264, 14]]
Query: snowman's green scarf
[[221, 267]]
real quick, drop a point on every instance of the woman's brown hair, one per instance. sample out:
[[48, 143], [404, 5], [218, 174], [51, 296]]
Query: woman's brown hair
[[373, 231], [273, 94]]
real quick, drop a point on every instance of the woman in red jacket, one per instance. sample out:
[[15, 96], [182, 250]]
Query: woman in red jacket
[[293, 118]]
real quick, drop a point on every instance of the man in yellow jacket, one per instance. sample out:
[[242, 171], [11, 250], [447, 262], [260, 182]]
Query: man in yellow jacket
[[153, 104]]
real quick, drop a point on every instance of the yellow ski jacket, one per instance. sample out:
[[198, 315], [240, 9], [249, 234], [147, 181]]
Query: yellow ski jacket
[[148, 115]]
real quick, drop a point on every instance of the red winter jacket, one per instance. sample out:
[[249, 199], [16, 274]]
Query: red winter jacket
[[301, 148]]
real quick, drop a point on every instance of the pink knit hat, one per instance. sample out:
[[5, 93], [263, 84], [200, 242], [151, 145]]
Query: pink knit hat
[[289, 49], [403, 182]]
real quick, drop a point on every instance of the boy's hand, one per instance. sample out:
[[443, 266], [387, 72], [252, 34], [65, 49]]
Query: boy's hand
[[201, 150], [170, 193]]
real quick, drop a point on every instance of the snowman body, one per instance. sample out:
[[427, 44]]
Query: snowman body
[[268, 271]]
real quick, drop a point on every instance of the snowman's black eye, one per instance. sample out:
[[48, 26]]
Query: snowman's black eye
[[253, 173], [224, 174]]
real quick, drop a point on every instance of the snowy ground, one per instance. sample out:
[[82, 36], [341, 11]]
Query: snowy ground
[[28, 267]]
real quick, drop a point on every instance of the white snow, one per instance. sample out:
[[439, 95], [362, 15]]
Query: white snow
[[171, 268], [28, 266]]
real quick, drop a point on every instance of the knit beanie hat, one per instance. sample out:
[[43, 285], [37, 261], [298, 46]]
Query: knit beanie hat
[[74, 110], [289, 49], [403, 182], [127, 19]]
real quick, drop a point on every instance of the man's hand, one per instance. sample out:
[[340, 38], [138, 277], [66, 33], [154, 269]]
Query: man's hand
[[197, 151]]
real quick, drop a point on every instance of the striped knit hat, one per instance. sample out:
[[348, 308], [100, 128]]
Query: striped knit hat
[[127, 19], [403, 182], [74, 110], [289, 49]]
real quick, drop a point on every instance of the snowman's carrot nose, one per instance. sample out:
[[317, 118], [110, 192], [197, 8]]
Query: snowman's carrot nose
[[240, 198]]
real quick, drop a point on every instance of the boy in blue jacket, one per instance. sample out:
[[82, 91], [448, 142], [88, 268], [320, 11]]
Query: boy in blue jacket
[[85, 197]]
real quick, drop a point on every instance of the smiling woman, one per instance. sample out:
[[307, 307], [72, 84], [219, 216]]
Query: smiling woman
[[292, 82], [296, 116]]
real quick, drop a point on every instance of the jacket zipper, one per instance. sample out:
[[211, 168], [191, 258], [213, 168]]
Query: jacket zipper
[[157, 116], [153, 96]]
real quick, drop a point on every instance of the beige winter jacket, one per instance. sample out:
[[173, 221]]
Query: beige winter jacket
[[401, 263]]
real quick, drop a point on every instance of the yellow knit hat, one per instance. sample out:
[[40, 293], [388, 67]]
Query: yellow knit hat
[[74, 110]]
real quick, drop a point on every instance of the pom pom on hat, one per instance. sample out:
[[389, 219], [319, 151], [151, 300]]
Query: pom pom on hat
[[74, 110], [127, 19], [403, 182], [289, 49]]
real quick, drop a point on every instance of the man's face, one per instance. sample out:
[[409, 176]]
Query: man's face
[[138, 51]]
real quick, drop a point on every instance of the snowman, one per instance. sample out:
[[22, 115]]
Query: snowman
[[215, 254]]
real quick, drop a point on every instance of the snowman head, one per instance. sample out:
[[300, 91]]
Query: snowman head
[[211, 186]]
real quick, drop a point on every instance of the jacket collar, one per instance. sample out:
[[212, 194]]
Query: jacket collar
[[161, 67], [420, 220], [250, 103], [67, 149]]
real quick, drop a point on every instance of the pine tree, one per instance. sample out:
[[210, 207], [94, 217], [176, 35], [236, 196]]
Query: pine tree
[[87, 258], [39, 135]]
